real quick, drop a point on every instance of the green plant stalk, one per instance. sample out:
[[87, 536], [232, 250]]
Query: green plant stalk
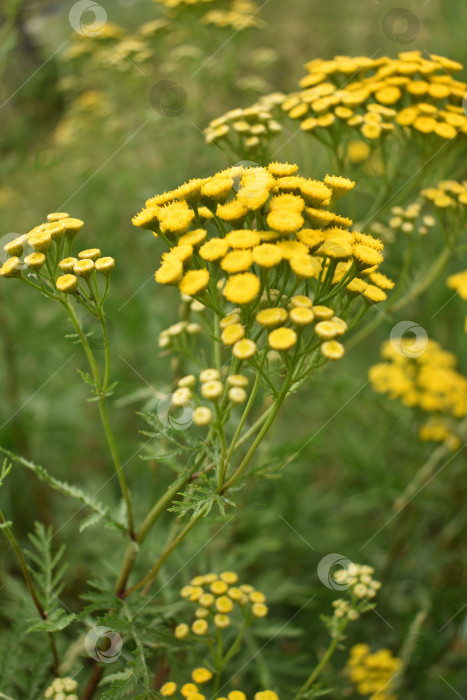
[[154, 514], [270, 419], [248, 407], [104, 417], [165, 554], [30, 586], [319, 668]]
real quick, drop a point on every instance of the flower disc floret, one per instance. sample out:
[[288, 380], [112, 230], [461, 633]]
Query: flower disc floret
[[241, 288], [194, 282], [282, 339]]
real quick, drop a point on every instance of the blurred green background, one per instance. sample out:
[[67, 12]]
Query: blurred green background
[[353, 451]]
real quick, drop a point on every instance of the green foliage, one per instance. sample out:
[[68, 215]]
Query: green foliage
[[48, 572]]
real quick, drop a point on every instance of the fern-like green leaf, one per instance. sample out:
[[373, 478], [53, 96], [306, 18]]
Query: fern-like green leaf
[[69, 490]]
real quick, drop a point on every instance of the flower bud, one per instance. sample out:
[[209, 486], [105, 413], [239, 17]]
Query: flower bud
[[237, 395], [56, 230], [212, 390], [188, 381], [34, 261], [11, 268], [40, 241], [83, 268], [72, 226], [57, 216], [90, 254], [66, 265], [202, 415], [67, 284], [14, 248], [105, 265]]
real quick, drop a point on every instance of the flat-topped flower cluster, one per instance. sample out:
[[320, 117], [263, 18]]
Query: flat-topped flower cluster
[[264, 250], [424, 376]]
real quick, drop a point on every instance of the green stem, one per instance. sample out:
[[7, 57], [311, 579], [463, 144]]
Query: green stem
[[319, 668], [166, 553], [104, 417], [241, 423], [30, 586], [248, 457]]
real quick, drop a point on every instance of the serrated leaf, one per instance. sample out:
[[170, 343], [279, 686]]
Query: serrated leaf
[[70, 490], [59, 620], [119, 676], [87, 379], [90, 521]]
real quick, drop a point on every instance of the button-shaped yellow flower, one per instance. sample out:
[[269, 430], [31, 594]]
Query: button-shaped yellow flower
[[282, 339], [67, 284]]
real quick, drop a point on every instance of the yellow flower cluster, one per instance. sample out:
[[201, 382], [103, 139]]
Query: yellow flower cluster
[[114, 47], [459, 283], [62, 689], [428, 381], [373, 673], [217, 598], [201, 675], [448, 194], [235, 14], [406, 220], [257, 238], [376, 95], [243, 130], [358, 578], [212, 389], [52, 273]]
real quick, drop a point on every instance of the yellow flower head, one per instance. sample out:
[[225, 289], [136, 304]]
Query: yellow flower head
[[217, 189], [339, 185], [169, 272], [201, 675], [232, 333], [34, 261], [175, 217], [11, 268], [282, 338], [194, 282], [267, 255], [237, 261], [305, 266], [244, 349], [67, 284], [332, 350], [214, 249], [285, 221], [242, 288], [282, 169], [243, 238]]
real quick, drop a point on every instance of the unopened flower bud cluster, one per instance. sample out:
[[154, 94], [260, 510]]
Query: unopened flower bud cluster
[[218, 598]]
